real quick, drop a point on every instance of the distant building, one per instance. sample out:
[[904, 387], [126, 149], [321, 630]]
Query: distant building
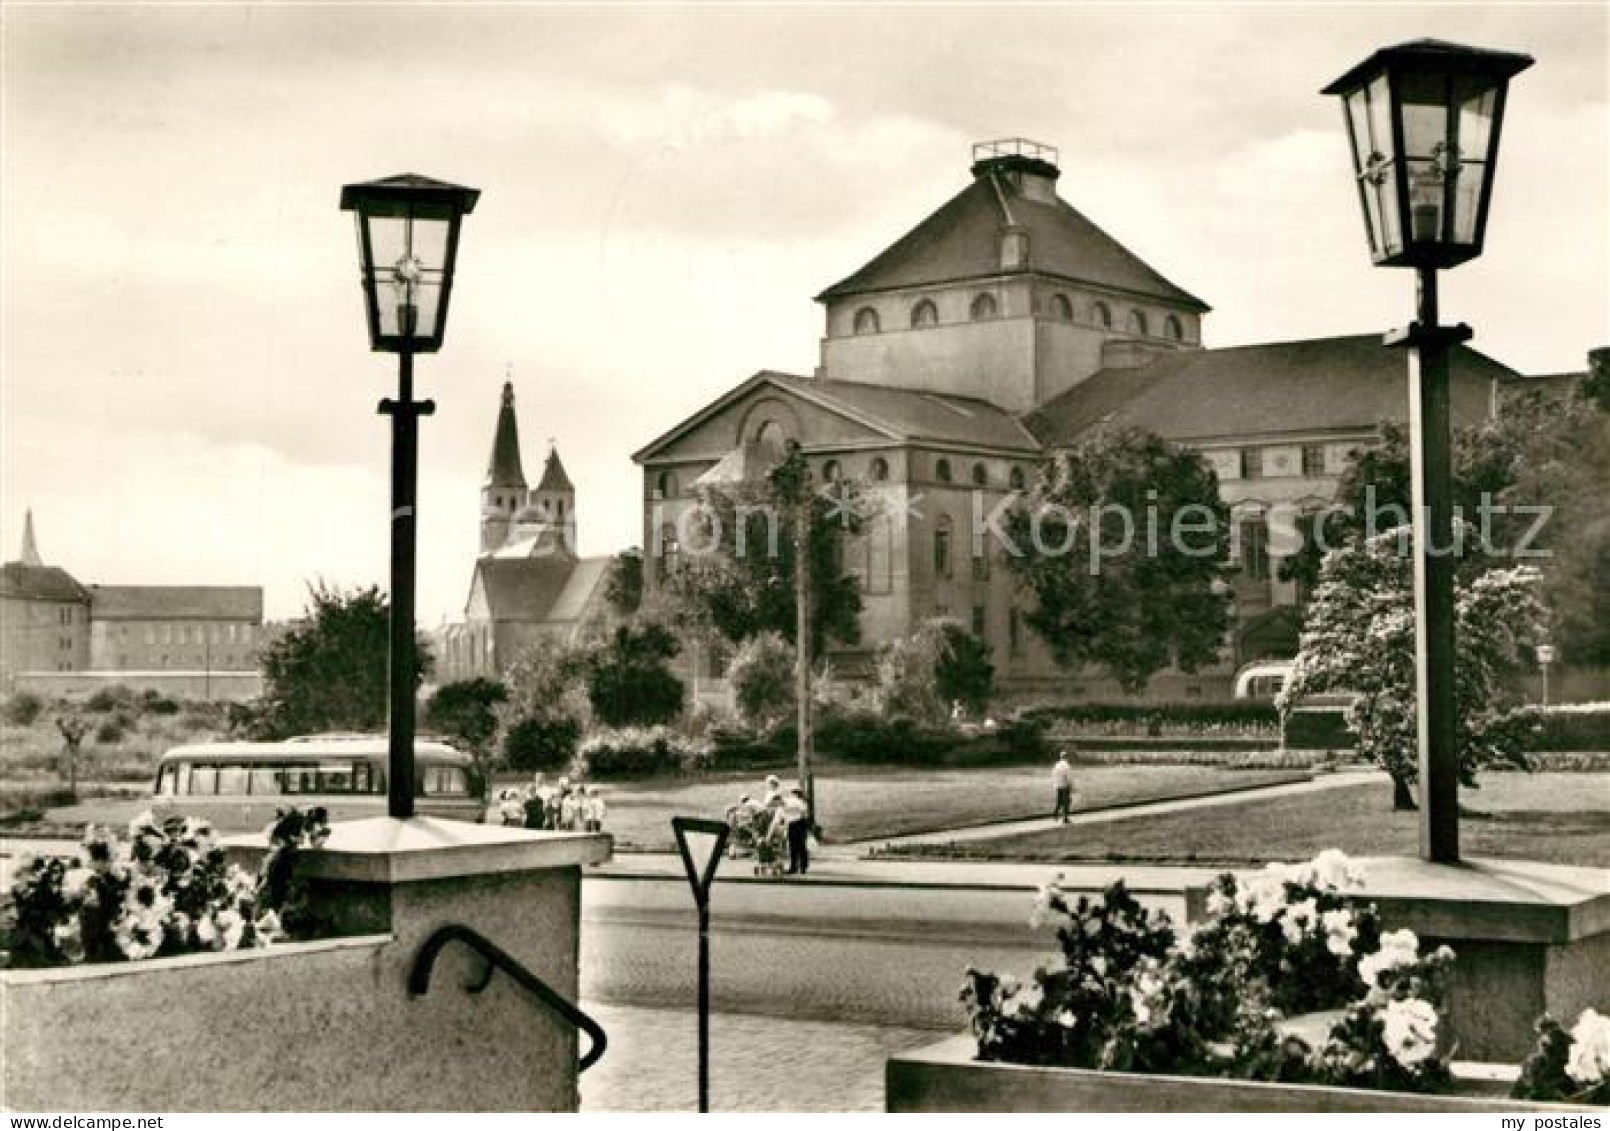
[[59, 636], [528, 584], [1005, 327]]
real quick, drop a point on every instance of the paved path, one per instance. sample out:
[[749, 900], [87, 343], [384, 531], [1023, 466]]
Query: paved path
[[1338, 780]]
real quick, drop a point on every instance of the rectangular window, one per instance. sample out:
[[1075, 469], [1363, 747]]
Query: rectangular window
[[981, 560], [1313, 460], [980, 621], [1255, 549], [1014, 632], [265, 781], [203, 780], [1252, 463], [942, 552]]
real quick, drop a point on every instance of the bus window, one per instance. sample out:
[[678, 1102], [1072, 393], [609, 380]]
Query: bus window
[[232, 780], [203, 780], [265, 780], [445, 781], [167, 781]]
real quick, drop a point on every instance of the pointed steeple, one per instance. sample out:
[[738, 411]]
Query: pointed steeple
[[30, 549], [553, 473], [503, 470]]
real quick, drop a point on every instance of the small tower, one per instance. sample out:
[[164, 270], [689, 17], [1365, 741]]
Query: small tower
[[504, 491], [555, 497], [30, 549]]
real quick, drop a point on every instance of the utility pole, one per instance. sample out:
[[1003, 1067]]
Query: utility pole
[[802, 639]]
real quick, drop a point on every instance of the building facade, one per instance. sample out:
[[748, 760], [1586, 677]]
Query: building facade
[[52, 628], [528, 584], [1005, 327]]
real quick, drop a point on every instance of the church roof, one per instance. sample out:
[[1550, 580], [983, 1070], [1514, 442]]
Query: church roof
[[962, 240], [901, 415], [553, 474], [25, 582], [548, 588], [1317, 385], [177, 602], [503, 469]]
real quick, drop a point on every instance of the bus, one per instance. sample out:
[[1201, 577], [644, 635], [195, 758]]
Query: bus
[[238, 786]]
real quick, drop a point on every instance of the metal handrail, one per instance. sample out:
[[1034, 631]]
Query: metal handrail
[[500, 959]]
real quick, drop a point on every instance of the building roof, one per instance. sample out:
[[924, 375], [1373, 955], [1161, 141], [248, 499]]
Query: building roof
[[177, 602], [503, 469], [902, 415], [1318, 385], [25, 582], [553, 474], [549, 588], [962, 240]]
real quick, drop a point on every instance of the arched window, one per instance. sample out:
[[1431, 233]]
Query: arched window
[[942, 471], [1016, 479], [1173, 329], [830, 471], [771, 432], [1061, 308], [665, 487], [984, 308], [980, 475], [942, 546], [880, 470], [866, 321], [924, 313], [1137, 322], [1103, 315]]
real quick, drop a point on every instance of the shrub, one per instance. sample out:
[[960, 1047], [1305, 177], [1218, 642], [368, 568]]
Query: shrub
[[1162, 718], [155, 703], [635, 752], [1317, 728], [1023, 738], [541, 742], [629, 680], [116, 697], [112, 730], [1573, 727], [22, 709], [762, 677]]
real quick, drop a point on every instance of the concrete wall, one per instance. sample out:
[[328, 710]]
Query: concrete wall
[[330, 1026], [232, 686]]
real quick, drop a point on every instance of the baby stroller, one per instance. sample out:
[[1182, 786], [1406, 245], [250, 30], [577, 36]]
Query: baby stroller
[[770, 838]]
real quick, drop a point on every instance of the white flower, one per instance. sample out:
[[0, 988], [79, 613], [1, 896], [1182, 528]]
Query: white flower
[[75, 881], [231, 926], [1589, 1059], [1331, 870], [69, 937], [1028, 999], [1042, 901], [207, 932], [1339, 931], [143, 822], [1298, 919], [1398, 948], [1067, 1019], [1098, 963], [240, 882], [268, 927], [1264, 895], [1409, 1029]]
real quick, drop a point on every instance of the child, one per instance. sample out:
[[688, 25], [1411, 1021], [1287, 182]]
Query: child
[[593, 810], [570, 810], [510, 808]]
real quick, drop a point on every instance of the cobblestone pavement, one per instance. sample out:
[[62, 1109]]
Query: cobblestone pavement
[[756, 1063]]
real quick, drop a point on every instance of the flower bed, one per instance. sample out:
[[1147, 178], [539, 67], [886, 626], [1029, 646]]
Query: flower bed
[[165, 890], [1130, 994]]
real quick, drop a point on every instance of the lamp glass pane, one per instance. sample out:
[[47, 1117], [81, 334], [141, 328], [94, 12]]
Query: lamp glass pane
[[1384, 182], [409, 257], [1431, 154], [1467, 202], [1477, 100], [1358, 133]]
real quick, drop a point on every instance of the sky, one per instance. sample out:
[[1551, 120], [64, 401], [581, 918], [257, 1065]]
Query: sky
[[186, 390]]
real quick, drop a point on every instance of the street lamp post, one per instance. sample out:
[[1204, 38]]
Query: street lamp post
[[1423, 122], [408, 229]]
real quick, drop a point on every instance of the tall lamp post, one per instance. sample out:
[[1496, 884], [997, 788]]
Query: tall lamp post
[[408, 229], [1423, 122]]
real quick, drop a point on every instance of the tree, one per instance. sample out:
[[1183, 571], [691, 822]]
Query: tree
[[1358, 639], [1530, 480], [744, 585], [329, 673], [466, 712], [541, 722], [629, 680], [762, 680], [1119, 550], [73, 729], [922, 675], [623, 588]]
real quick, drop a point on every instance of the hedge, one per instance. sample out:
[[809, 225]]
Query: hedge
[[1317, 728], [631, 752], [1157, 718], [1569, 728]]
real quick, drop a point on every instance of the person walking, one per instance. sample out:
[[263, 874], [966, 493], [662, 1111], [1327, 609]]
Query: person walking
[[798, 816], [1062, 779]]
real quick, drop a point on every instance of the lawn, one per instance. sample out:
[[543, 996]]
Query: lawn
[[1563, 818], [867, 802]]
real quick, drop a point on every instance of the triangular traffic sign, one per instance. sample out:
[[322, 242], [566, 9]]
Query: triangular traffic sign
[[701, 843]]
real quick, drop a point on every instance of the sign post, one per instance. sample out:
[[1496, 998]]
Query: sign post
[[702, 844]]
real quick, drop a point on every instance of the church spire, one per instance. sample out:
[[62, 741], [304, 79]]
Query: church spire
[[503, 469], [30, 549]]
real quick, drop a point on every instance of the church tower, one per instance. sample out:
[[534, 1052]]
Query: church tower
[[555, 497], [504, 491]]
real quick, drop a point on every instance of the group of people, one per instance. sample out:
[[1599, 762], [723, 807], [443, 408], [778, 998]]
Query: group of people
[[778, 816], [565, 806]]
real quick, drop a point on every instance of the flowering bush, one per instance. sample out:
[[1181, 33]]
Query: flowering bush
[[166, 889], [1572, 1066], [1126, 993]]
